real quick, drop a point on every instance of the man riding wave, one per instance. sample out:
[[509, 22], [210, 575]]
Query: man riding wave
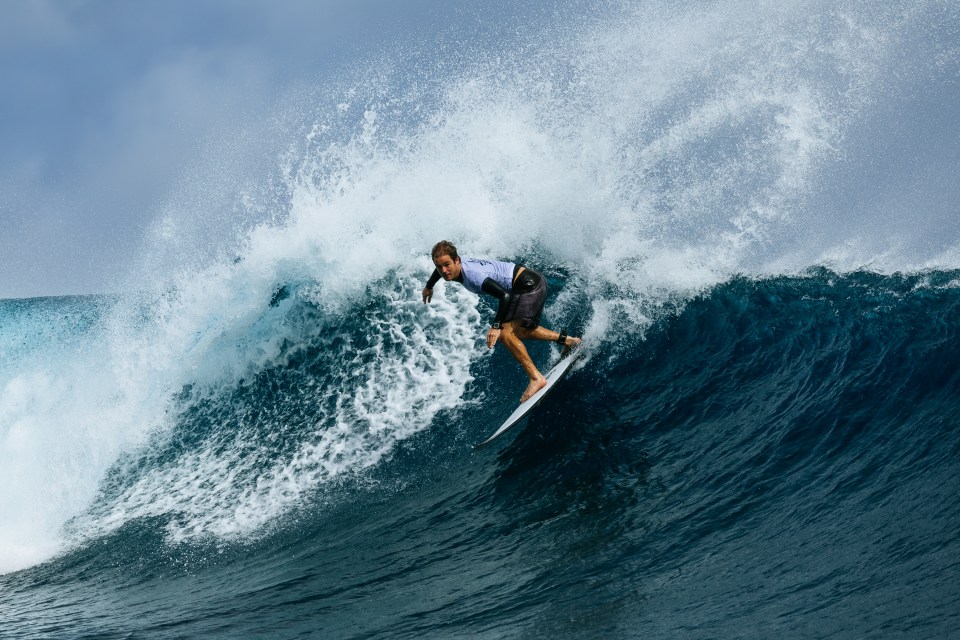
[[521, 293]]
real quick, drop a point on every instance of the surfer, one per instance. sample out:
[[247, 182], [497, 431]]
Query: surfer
[[521, 292]]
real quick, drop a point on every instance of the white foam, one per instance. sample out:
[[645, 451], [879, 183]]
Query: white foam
[[62, 425], [375, 397]]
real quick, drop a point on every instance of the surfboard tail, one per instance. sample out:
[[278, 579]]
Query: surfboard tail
[[553, 376]]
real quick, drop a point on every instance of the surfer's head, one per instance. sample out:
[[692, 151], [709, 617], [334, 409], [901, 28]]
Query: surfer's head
[[446, 260]]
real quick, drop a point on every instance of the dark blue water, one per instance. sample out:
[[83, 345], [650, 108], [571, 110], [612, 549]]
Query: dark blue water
[[778, 457]]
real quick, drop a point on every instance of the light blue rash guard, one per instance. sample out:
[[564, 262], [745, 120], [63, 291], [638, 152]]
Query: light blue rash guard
[[474, 271], [496, 278]]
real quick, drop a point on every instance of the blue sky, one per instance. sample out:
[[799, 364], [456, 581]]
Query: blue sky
[[105, 103]]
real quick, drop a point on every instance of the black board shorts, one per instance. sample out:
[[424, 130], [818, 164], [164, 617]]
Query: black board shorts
[[527, 299]]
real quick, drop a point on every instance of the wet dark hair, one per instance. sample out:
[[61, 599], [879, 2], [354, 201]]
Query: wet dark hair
[[444, 248]]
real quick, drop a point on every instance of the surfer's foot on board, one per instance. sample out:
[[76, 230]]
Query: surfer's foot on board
[[534, 386]]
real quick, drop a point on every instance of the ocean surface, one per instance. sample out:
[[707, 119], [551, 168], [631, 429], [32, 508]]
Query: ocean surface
[[780, 457], [739, 206]]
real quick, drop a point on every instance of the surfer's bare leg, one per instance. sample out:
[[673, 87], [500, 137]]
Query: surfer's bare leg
[[516, 347], [539, 333]]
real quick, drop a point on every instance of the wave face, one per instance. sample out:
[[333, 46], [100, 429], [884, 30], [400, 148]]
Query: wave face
[[779, 456], [269, 435]]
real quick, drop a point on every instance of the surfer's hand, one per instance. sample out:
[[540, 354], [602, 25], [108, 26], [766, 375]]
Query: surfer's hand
[[427, 294], [492, 336]]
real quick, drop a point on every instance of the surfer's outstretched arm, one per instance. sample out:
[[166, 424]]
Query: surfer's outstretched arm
[[428, 290]]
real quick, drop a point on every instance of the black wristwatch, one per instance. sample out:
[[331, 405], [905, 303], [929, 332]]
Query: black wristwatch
[[496, 325]]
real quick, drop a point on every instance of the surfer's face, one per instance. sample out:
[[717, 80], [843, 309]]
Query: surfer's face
[[448, 267]]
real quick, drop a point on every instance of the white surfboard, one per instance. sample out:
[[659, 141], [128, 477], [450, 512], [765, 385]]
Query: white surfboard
[[520, 413]]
